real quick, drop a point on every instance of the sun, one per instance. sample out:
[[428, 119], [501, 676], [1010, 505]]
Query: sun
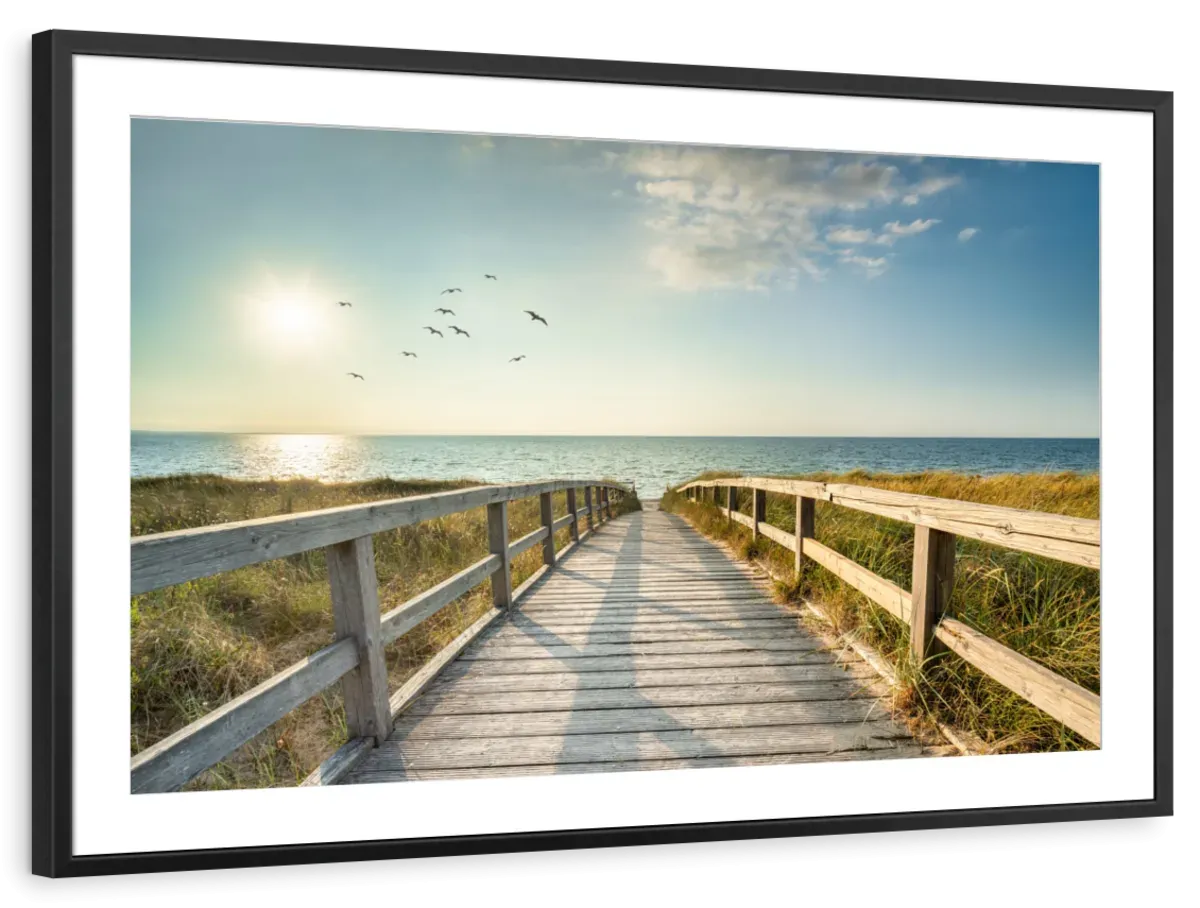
[[289, 320]]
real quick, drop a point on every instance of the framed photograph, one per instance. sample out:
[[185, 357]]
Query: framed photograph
[[445, 453]]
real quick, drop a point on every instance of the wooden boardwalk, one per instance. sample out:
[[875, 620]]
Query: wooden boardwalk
[[646, 648]]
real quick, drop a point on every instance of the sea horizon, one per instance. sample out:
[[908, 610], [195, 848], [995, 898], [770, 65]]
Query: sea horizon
[[650, 462]]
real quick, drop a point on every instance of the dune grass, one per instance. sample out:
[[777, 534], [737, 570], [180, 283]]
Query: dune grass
[[1044, 609], [197, 645]]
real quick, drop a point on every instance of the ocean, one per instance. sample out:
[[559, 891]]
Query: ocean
[[652, 463]]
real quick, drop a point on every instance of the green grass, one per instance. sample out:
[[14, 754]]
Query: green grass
[[1044, 609], [198, 645]]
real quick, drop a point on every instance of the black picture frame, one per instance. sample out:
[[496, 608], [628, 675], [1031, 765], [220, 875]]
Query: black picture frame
[[53, 151]]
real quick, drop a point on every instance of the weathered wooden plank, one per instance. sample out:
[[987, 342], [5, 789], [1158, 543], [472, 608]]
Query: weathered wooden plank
[[586, 615], [900, 751], [412, 688], [497, 518], [771, 622], [646, 717], [882, 592], [547, 634], [573, 513], [758, 510], [561, 522], [806, 522], [174, 761], [354, 591], [450, 701], [740, 659], [744, 519], [932, 586], [404, 618], [1008, 520], [444, 753], [528, 541], [497, 651], [1076, 707], [546, 504], [787, 540], [1072, 539], [587, 505], [336, 766], [163, 559], [456, 677]]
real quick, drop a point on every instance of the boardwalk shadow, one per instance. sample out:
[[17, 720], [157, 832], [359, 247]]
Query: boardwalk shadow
[[581, 746]]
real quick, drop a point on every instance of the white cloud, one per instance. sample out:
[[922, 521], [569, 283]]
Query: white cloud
[[966, 233], [929, 186], [893, 230], [872, 266], [730, 217], [844, 233]]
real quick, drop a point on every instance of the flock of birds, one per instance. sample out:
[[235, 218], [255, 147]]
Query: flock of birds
[[441, 310]]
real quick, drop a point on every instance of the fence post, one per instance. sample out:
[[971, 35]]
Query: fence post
[[572, 506], [806, 518], [354, 591], [587, 501], [731, 502], [760, 509], [548, 523], [608, 503], [498, 545], [933, 584]]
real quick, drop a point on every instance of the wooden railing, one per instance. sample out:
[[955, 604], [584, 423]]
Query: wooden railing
[[356, 657], [926, 608]]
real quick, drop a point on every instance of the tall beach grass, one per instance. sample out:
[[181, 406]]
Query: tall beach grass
[[1044, 609], [197, 645]]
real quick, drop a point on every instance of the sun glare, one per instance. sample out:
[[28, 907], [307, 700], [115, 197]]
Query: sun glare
[[289, 320]]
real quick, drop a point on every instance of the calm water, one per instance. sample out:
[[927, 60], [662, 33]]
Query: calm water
[[651, 463]]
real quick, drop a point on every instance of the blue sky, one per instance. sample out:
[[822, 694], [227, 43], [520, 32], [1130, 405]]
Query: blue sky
[[688, 290]]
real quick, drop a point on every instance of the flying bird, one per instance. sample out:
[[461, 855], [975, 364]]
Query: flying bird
[[344, 303], [517, 359], [433, 331], [491, 277], [451, 290], [408, 353], [537, 318], [444, 311], [458, 330], [356, 375]]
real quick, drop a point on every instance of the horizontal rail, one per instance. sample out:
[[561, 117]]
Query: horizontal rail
[[1074, 706], [1072, 539], [164, 559], [582, 512], [404, 618], [1066, 538], [174, 761], [528, 541], [741, 518], [562, 522], [785, 539]]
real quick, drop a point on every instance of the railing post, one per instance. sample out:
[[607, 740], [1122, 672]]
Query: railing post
[[933, 584], [572, 506], [806, 520], [607, 504], [587, 501], [498, 545], [731, 502], [354, 591], [760, 509], [548, 523]]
